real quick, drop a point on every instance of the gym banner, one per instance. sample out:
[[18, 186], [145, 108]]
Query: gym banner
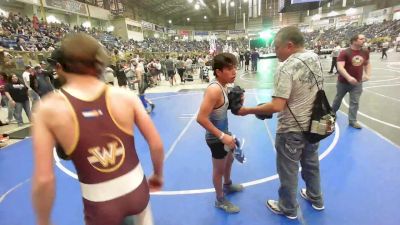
[[171, 31], [184, 32], [159, 28], [236, 31], [147, 25], [67, 5], [200, 33], [219, 31]]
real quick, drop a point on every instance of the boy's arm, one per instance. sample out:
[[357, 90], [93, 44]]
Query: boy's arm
[[341, 62], [150, 133], [367, 69], [210, 101], [43, 181], [276, 105]]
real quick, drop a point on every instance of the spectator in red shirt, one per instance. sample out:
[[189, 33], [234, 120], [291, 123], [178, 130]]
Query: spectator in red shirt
[[354, 68]]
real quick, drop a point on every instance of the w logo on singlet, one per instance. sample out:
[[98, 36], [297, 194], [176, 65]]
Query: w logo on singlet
[[108, 158]]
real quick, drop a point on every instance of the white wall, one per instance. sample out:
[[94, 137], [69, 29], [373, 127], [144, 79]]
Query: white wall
[[396, 12], [378, 16], [135, 35], [34, 2], [58, 15], [82, 6], [120, 28], [99, 13], [9, 9]]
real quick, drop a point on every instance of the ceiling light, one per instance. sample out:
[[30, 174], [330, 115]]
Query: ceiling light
[[205, 17], [190, 1], [223, 1], [169, 21], [232, 4], [188, 19], [196, 6]]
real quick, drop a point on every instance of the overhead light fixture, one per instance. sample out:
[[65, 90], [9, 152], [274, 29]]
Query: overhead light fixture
[[197, 6], [232, 4], [223, 1], [244, 0], [190, 1], [169, 21], [188, 19], [205, 17]]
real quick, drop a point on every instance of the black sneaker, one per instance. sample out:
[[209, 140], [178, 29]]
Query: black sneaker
[[232, 188], [273, 206], [303, 193], [355, 125], [227, 206]]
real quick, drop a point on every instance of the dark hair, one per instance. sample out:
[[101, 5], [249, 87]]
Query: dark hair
[[5, 76], [354, 38], [80, 53], [222, 61], [57, 56], [292, 34]]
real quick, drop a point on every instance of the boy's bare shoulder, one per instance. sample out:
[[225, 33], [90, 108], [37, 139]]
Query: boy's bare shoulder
[[52, 102], [213, 89], [121, 93]]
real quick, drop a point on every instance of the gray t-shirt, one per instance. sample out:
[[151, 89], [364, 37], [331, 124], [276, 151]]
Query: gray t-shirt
[[295, 82], [169, 64]]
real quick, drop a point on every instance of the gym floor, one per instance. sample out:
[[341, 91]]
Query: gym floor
[[358, 167]]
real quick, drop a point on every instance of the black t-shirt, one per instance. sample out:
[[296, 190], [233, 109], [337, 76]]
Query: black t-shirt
[[18, 92]]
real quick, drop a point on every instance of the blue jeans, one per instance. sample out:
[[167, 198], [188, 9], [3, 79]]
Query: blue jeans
[[5, 102], [355, 93], [254, 65], [34, 97], [292, 150], [18, 111]]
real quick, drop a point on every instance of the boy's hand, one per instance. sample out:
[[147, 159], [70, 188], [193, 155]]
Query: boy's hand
[[229, 141], [242, 111], [155, 182]]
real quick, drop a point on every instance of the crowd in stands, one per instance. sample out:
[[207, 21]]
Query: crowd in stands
[[21, 33], [328, 38]]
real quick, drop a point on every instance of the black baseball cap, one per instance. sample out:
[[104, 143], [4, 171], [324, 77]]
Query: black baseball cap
[[56, 56]]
